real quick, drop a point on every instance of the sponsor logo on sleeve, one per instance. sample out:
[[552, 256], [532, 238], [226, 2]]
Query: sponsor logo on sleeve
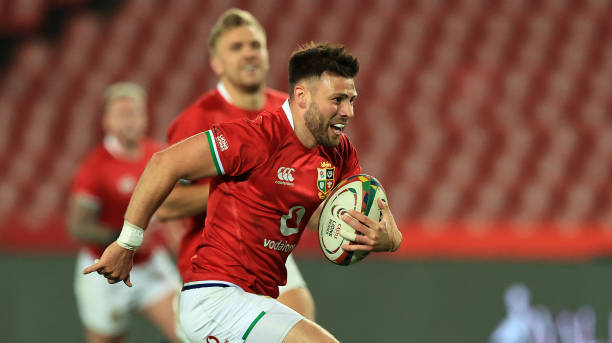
[[222, 142]]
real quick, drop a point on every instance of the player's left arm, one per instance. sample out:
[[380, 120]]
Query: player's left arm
[[313, 222], [375, 236]]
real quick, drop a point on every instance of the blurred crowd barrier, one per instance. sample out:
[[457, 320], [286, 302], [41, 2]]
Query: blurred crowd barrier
[[486, 121]]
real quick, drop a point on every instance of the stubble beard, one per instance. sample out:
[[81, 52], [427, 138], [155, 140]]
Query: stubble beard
[[316, 124]]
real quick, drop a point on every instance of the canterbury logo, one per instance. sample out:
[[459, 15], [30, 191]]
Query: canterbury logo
[[285, 174]]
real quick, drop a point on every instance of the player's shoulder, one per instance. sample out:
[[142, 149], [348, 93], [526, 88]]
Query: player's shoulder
[[151, 146], [345, 144], [275, 98], [274, 119], [208, 101], [194, 118], [267, 128], [94, 157], [99, 151]]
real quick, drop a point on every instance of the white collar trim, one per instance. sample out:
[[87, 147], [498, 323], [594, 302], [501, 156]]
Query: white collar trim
[[288, 113], [112, 145], [224, 93]]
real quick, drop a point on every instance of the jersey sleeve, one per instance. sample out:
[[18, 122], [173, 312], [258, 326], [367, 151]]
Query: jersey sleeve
[[86, 182], [351, 164], [239, 146]]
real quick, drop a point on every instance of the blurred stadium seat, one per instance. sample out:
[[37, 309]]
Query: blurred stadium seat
[[471, 112]]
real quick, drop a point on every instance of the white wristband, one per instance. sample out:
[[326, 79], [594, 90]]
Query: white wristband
[[130, 237]]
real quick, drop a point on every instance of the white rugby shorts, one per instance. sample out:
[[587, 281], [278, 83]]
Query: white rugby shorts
[[221, 312], [294, 277], [105, 308]]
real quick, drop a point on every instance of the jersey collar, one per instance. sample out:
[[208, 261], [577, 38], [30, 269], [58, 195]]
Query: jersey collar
[[223, 91], [112, 145], [288, 113]]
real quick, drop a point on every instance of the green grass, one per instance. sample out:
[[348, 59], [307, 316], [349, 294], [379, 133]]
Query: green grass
[[373, 301]]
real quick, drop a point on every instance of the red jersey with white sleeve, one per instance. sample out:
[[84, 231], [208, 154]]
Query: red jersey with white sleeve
[[108, 181], [212, 107], [270, 186]]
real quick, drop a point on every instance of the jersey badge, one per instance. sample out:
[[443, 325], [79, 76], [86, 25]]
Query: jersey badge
[[325, 179]]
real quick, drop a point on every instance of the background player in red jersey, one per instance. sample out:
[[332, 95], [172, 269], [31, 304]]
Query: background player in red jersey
[[101, 191], [239, 56], [253, 221]]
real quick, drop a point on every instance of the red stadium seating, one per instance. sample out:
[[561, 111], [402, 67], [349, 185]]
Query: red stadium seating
[[472, 113]]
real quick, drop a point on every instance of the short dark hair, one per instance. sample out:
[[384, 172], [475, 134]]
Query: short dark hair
[[314, 59]]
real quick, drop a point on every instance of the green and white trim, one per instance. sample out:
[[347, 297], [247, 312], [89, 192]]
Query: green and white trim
[[212, 144], [248, 331]]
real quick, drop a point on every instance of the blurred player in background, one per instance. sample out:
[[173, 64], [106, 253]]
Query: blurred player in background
[[251, 226], [101, 191], [239, 56]]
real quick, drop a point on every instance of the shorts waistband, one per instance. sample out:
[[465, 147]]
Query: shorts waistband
[[211, 283]]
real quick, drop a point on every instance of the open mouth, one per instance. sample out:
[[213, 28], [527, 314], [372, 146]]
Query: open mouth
[[251, 68], [337, 128]]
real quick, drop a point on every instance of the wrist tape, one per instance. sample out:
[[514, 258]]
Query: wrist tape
[[130, 237]]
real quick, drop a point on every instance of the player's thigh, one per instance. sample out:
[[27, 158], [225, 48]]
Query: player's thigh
[[155, 280], [294, 277], [300, 300], [295, 293], [162, 315], [103, 308], [156, 283], [306, 331], [228, 314]]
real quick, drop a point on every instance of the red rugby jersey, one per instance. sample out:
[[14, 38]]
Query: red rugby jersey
[[109, 181], [258, 210], [209, 109]]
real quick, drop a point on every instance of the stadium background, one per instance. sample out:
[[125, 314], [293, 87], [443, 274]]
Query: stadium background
[[487, 121]]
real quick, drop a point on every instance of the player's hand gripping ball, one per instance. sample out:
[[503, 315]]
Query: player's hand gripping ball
[[360, 193]]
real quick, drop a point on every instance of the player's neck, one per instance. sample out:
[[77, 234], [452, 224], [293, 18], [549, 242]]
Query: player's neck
[[123, 148], [242, 99], [300, 128]]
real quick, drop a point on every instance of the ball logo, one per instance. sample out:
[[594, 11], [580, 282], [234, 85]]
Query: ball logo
[[299, 212], [285, 174], [212, 339]]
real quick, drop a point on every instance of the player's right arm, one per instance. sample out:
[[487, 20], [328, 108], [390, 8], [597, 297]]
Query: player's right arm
[[190, 159], [184, 201], [84, 223]]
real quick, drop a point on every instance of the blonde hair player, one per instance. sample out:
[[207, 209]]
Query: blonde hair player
[[239, 56], [100, 194]]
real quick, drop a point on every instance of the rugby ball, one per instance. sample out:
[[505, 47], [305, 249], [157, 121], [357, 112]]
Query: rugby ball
[[360, 193]]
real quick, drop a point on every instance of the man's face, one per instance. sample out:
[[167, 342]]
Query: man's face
[[241, 58], [330, 109], [125, 119]]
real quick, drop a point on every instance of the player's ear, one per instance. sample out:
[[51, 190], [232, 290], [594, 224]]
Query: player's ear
[[216, 65], [301, 94]]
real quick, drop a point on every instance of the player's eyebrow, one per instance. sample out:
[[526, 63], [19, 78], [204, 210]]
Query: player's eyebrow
[[343, 96]]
